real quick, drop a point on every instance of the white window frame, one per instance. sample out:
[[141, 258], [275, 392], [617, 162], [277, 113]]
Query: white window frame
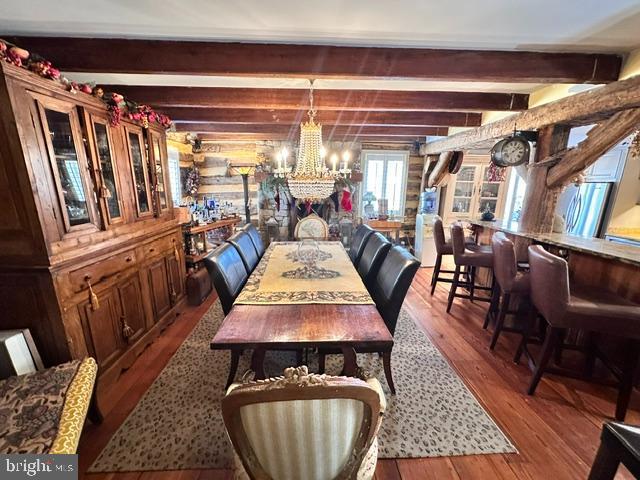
[[405, 174], [174, 175]]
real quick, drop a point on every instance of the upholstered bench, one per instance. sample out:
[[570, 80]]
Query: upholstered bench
[[44, 411]]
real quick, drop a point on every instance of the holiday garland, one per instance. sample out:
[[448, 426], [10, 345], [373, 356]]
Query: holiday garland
[[118, 106], [192, 182]]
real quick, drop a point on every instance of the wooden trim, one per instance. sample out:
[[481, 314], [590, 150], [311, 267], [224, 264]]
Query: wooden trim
[[579, 109], [327, 130], [329, 99], [327, 61]]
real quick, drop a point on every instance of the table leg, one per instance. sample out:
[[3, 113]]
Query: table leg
[[386, 362], [350, 368], [257, 363], [233, 367]]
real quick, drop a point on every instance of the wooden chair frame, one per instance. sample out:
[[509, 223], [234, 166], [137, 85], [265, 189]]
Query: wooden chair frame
[[298, 384]]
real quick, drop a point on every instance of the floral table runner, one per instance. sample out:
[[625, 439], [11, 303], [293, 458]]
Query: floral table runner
[[304, 272]]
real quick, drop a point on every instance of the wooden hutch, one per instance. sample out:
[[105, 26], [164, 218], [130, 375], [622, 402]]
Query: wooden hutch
[[91, 256]]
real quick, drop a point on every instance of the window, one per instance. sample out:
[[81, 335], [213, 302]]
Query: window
[[385, 177], [174, 175], [515, 197]]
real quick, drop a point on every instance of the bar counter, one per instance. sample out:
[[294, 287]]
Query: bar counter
[[592, 261]]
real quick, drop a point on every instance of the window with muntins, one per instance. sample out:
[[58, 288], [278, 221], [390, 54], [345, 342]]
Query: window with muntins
[[385, 177]]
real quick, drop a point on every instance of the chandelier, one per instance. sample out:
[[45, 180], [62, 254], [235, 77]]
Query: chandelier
[[311, 180]]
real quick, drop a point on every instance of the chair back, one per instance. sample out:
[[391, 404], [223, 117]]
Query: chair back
[[319, 432], [505, 265], [228, 274], [438, 236], [312, 226], [392, 283], [248, 253], [358, 242], [253, 233], [457, 241], [374, 253], [549, 276]]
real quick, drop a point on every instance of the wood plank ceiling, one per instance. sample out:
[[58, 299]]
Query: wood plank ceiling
[[389, 115]]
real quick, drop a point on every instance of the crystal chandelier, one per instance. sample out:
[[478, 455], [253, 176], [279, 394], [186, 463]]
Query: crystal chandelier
[[310, 180]]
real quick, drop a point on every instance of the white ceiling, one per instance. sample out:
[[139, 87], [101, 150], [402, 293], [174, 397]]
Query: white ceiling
[[566, 25]]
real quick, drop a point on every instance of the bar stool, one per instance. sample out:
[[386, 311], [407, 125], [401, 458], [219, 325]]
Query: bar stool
[[589, 309], [443, 247], [509, 281], [480, 256]]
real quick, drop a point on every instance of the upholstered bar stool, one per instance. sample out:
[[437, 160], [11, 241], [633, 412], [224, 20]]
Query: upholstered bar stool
[[589, 309], [480, 257], [509, 281], [443, 247]]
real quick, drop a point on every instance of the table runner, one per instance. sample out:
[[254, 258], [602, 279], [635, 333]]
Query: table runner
[[287, 275]]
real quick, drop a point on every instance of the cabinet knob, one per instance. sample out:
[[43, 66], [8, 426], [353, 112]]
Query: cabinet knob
[[127, 331], [151, 250], [128, 259]]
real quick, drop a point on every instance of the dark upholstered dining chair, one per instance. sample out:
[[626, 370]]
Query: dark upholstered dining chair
[[228, 274], [243, 243], [252, 231], [358, 242], [388, 292], [592, 310], [619, 443], [375, 251]]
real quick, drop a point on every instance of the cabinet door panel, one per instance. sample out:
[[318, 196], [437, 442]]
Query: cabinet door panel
[[160, 179], [142, 191], [159, 283], [175, 278], [102, 328], [132, 310]]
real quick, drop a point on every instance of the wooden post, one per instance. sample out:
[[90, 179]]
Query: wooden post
[[539, 204]]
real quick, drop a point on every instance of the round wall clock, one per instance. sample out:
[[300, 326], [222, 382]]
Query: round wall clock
[[511, 151]]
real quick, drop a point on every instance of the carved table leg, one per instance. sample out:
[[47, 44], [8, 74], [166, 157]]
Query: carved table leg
[[233, 367], [350, 363], [386, 362]]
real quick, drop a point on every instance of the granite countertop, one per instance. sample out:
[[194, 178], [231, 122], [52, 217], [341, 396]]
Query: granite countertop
[[595, 246]]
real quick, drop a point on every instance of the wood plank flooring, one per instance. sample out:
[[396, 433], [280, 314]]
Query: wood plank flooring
[[556, 431]]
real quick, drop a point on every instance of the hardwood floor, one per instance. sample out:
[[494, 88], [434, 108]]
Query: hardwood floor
[[556, 431]]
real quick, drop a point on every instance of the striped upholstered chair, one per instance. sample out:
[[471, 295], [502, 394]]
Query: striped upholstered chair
[[327, 429]]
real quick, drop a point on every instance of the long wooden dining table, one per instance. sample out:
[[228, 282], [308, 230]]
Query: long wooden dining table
[[310, 319]]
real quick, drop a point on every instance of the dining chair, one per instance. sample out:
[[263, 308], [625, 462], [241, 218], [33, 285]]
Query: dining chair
[[252, 231], [312, 227], [228, 274], [358, 242], [589, 309], [374, 253], [332, 422], [619, 443], [247, 251]]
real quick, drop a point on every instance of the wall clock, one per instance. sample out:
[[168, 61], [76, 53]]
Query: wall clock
[[511, 151]]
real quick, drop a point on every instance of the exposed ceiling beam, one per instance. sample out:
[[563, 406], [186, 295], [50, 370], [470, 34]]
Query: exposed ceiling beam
[[330, 117], [295, 99], [579, 109], [257, 59], [327, 130], [250, 137]]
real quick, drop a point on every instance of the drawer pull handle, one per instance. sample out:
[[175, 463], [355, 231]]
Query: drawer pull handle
[[127, 331], [93, 298], [176, 253]]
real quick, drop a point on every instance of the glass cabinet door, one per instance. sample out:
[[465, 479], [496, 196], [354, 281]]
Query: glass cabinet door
[[160, 180], [489, 193], [108, 176], [139, 171], [464, 190], [68, 163]]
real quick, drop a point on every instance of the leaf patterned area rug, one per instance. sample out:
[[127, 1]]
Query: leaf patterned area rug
[[178, 424]]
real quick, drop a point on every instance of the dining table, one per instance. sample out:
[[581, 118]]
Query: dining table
[[304, 295]]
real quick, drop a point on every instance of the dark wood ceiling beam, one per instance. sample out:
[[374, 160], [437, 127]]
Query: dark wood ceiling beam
[[295, 99], [214, 58], [257, 137], [329, 117], [327, 130]]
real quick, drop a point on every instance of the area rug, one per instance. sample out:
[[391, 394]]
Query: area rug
[[178, 425]]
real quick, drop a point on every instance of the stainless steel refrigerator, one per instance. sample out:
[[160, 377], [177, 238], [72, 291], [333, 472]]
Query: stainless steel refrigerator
[[584, 208]]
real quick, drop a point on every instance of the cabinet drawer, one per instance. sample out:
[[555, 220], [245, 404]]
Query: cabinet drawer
[[161, 245], [101, 270]]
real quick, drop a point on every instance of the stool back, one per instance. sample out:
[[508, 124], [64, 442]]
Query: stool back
[[438, 235], [549, 276], [505, 266], [457, 241]]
